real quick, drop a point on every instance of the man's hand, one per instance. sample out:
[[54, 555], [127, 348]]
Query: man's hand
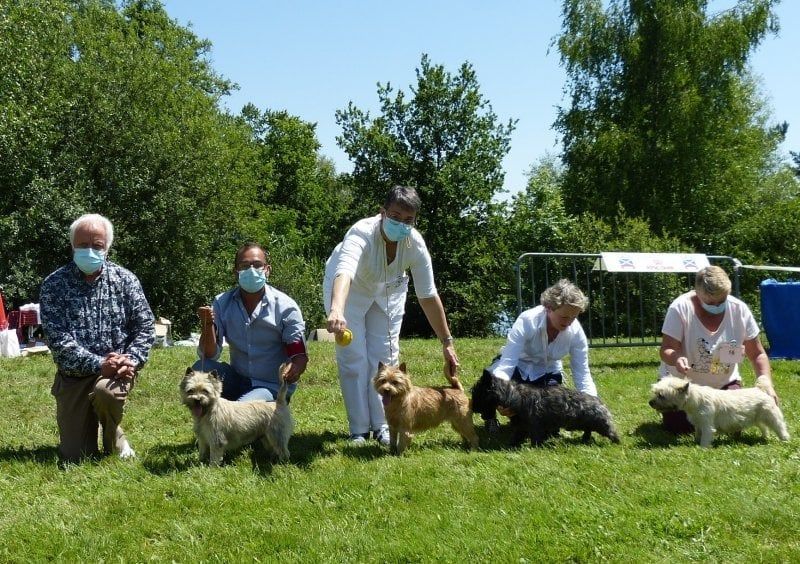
[[115, 365], [294, 368], [206, 315]]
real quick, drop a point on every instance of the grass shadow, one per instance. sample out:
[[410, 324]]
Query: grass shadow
[[170, 458], [626, 364], [501, 441], [304, 448], [497, 441], [39, 454], [307, 447], [652, 435], [372, 450]]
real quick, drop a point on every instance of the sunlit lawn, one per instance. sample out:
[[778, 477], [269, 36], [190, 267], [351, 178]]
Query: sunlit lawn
[[651, 498]]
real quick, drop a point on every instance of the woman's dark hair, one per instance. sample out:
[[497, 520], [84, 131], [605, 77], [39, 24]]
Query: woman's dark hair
[[405, 196]]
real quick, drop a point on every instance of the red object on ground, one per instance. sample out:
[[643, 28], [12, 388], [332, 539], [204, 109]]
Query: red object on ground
[[3, 319]]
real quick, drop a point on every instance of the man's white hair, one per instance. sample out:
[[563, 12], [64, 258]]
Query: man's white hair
[[92, 219]]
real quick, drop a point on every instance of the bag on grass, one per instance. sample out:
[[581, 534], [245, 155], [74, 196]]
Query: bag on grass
[[9, 344]]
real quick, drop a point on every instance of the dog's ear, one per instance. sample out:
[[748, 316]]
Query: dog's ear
[[189, 371], [381, 366], [214, 374], [685, 388], [403, 367]]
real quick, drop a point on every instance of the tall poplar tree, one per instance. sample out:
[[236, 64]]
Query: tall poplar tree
[[664, 118]]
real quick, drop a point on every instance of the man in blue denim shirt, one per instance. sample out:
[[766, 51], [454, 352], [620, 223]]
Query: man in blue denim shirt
[[263, 328], [99, 327]]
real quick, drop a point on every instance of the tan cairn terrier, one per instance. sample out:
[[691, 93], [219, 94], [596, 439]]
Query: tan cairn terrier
[[410, 408], [221, 425]]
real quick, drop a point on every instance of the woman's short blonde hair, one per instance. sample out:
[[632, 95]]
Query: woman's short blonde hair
[[562, 293], [712, 281]]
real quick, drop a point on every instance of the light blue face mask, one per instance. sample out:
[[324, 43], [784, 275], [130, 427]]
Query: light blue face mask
[[88, 261], [714, 309], [395, 230], [252, 279]]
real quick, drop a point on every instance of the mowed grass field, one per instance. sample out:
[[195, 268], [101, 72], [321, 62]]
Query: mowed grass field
[[652, 498]]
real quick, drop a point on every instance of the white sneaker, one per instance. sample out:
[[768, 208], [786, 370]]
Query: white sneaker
[[359, 438], [382, 436], [126, 452]]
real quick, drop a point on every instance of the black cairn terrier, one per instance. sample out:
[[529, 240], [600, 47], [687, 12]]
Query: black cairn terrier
[[539, 413]]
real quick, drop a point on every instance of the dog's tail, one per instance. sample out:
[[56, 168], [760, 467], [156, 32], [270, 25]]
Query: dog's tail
[[455, 383], [281, 399], [763, 384]]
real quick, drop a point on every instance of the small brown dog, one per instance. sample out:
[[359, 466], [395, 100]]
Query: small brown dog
[[410, 408]]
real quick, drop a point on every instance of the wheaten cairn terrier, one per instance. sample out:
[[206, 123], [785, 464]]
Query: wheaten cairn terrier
[[221, 425], [410, 408], [724, 411]]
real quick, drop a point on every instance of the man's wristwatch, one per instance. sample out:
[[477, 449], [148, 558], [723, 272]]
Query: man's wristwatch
[[447, 340]]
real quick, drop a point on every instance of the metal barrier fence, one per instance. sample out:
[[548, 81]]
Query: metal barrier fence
[[625, 308]]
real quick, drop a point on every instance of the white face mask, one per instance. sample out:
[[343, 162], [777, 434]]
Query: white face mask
[[714, 309], [395, 230]]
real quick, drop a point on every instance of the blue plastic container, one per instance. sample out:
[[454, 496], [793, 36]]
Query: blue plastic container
[[780, 314]]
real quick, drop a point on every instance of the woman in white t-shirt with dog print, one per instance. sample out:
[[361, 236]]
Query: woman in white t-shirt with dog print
[[705, 335]]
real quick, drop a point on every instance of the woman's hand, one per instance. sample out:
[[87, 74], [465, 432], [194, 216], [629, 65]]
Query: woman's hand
[[336, 322], [451, 363], [682, 364]]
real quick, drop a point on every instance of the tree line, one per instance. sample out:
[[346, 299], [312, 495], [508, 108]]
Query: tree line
[[668, 145]]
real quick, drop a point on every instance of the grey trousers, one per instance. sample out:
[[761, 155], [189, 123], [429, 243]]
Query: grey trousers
[[82, 403]]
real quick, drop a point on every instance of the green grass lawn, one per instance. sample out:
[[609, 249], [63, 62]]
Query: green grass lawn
[[652, 498]]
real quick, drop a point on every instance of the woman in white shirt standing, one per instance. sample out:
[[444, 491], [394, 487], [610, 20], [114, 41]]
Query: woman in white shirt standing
[[705, 335], [541, 337], [365, 288]]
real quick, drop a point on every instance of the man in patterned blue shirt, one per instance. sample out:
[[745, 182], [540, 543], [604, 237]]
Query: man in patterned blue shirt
[[99, 327]]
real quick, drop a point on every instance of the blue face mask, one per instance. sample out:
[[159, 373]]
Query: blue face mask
[[88, 261], [252, 279], [395, 230], [714, 309]]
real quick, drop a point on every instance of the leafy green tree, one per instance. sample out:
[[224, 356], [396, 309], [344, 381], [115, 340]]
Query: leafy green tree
[[769, 236], [664, 117], [299, 181], [117, 112], [445, 140], [538, 220]]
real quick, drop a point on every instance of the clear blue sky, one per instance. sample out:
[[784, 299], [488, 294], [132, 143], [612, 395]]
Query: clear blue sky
[[313, 57]]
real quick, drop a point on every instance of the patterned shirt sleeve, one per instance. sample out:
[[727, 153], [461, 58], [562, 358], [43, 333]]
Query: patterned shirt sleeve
[[70, 356], [141, 322]]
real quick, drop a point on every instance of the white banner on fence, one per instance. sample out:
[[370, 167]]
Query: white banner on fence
[[651, 262]]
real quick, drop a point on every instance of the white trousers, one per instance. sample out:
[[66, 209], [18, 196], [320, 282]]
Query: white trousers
[[376, 338]]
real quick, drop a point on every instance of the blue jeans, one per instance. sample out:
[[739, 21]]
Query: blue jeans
[[236, 387]]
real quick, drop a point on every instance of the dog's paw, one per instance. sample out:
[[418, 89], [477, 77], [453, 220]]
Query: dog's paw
[[126, 452]]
